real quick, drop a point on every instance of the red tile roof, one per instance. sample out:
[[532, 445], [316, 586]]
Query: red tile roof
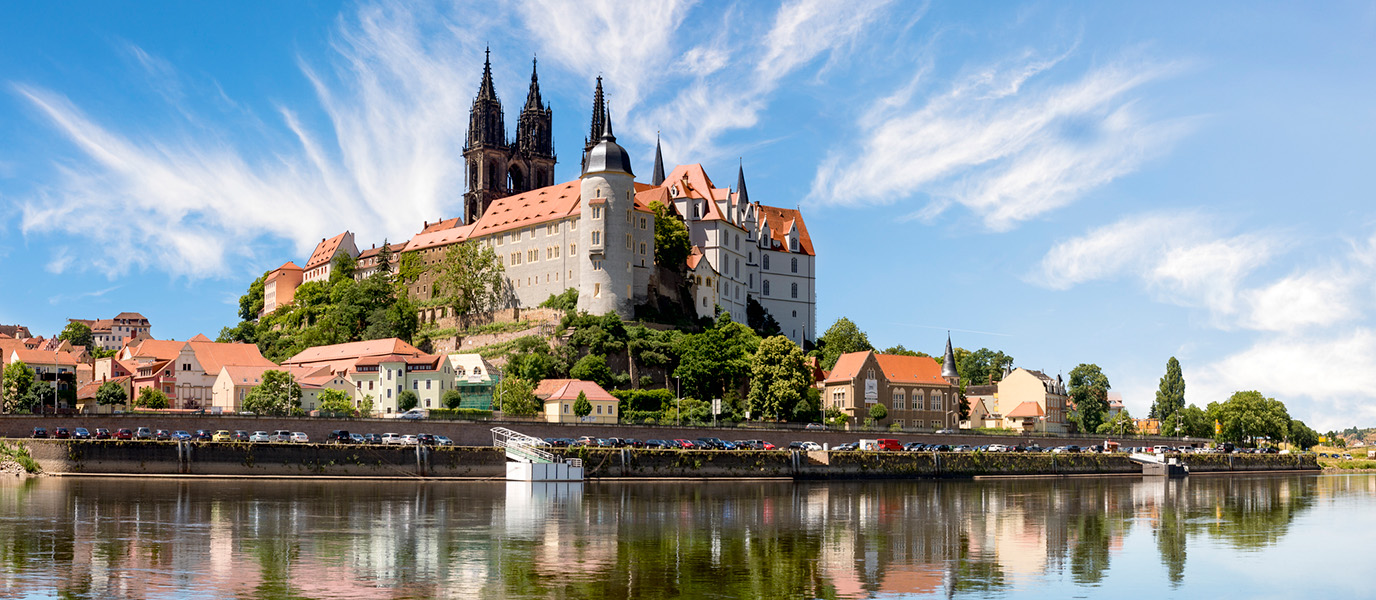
[[442, 237], [1026, 410], [568, 389], [847, 367], [529, 208], [40, 357], [780, 220], [441, 225], [903, 369], [324, 251]]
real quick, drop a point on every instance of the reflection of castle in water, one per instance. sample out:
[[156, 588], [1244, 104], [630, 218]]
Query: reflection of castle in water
[[142, 538]]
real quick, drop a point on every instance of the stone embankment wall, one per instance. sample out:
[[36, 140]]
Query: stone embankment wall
[[242, 459], [478, 433]]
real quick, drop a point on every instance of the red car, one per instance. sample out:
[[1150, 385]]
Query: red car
[[683, 444], [102, 433], [124, 434]]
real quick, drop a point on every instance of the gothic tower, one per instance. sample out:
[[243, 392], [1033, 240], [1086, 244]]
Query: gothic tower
[[599, 119], [606, 193], [534, 147], [485, 152]]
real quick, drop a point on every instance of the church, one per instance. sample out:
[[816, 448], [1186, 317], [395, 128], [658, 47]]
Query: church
[[597, 233]]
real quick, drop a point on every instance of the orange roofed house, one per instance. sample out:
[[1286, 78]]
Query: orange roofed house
[[185, 371], [559, 396], [380, 369], [918, 392]]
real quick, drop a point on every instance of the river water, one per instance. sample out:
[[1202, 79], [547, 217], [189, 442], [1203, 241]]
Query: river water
[[1241, 536]]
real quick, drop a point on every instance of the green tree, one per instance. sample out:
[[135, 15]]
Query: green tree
[[716, 360], [278, 395], [566, 300], [451, 399], [111, 394], [581, 406], [151, 397], [878, 413], [1089, 391], [471, 280], [515, 397], [365, 406], [384, 261], [671, 239], [1247, 416], [1301, 435], [981, 367], [407, 400], [592, 367], [251, 303], [79, 334], [1121, 424], [902, 351], [1194, 422], [342, 267], [18, 378], [335, 402], [843, 337], [779, 378], [834, 417], [1170, 397]]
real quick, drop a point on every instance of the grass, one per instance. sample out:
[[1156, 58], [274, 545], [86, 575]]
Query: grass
[[493, 328], [20, 455], [1359, 459], [494, 350]]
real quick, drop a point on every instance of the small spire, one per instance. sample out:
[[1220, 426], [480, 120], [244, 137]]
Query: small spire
[[607, 126], [599, 113], [485, 90], [658, 177], [741, 195], [948, 364], [533, 101]]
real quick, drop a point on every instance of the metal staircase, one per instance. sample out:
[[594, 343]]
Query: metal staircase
[[527, 449]]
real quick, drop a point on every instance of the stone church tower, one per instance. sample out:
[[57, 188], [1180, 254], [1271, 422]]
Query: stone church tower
[[497, 167], [606, 201]]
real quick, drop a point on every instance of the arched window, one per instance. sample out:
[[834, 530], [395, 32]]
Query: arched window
[[795, 264], [766, 287], [795, 290], [766, 262]]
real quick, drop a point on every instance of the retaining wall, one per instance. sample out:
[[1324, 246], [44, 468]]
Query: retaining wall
[[243, 459]]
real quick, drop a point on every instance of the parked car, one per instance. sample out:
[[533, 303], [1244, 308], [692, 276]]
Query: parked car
[[143, 433], [391, 439], [443, 441], [711, 443], [914, 446], [634, 443], [754, 444], [586, 440], [816, 426], [300, 437], [945, 431], [124, 434], [414, 414], [40, 432], [260, 436], [426, 439], [239, 435], [357, 438], [162, 435], [657, 444], [683, 444], [80, 433], [1347, 456], [409, 439], [372, 438], [339, 436], [890, 445], [847, 446], [804, 446], [280, 436], [102, 433], [203, 435], [222, 435], [61, 433], [963, 448], [181, 436]]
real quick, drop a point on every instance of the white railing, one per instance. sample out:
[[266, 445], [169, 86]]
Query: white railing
[[521, 447]]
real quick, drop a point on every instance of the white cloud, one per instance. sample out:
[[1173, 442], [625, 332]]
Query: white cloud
[[187, 204], [1324, 381], [999, 141]]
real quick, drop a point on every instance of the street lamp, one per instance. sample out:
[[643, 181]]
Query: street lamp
[[678, 401]]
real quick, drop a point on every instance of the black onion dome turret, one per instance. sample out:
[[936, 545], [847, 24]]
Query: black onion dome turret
[[607, 155]]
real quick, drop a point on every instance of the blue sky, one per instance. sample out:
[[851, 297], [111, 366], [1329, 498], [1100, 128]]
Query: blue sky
[[1068, 182]]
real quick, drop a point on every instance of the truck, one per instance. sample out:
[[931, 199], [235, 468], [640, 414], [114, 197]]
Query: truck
[[879, 445]]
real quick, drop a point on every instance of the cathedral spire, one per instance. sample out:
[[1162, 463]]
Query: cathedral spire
[[599, 113], [658, 177], [533, 101], [485, 90]]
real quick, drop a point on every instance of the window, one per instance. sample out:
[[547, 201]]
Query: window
[[936, 400], [501, 239], [597, 210], [427, 384], [533, 255], [936, 424], [738, 242], [738, 267], [566, 409], [642, 248], [899, 402], [795, 290], [918, 402], [766, 262], [553, 228], [628, 241], [415, 385], [898, 422], [766, 287], [628, 211], [599, 409], [642, 222], [795, 264], [597, 288], [597, 238], [597, 265], [186, 366], [573, 249]]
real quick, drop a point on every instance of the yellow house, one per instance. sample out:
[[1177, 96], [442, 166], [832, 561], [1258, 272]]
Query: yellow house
[[559, 396], [1047, 396]]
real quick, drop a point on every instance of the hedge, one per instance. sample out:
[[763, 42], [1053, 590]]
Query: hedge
[[643, 400], [466, 414]]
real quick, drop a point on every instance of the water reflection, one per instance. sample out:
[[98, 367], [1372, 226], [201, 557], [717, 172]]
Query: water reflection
[[143, 538]]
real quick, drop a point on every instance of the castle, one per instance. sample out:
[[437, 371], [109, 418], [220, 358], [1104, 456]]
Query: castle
[[596, 234]]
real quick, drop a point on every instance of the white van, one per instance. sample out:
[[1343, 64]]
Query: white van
[[391, 439]]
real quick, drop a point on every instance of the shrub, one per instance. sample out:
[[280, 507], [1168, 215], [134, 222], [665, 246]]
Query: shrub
[[644, 400], [472, 414]]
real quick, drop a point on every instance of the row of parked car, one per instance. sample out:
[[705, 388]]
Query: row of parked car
[[704, 443], [340, 436], [166, 435]]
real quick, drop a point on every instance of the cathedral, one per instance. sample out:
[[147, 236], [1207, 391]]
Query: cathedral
[[596, 233]]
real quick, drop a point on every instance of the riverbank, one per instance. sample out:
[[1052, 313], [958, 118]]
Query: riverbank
[[114, 457]]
